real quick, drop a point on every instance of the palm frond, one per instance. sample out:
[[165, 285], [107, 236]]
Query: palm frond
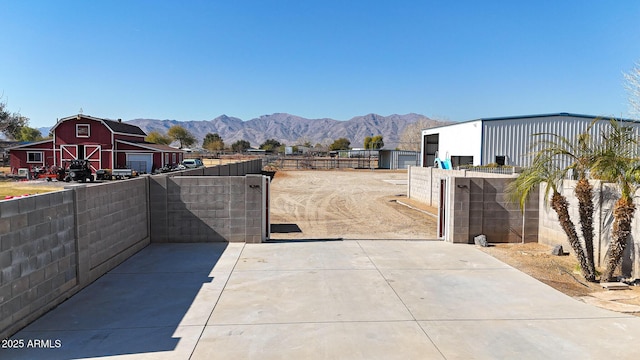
[[616, 159], [544, 169]]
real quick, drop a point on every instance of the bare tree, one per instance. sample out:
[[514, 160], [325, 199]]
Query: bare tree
[[632, 85], [411, 137]]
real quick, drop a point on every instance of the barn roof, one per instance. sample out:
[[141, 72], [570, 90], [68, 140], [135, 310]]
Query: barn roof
[[23, 144], [116, 126], [151, 146], [120, 127]]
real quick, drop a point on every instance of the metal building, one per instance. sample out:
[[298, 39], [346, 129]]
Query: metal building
[[397, 159], [503, 140]]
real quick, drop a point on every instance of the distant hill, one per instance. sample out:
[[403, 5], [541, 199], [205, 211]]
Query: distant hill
[[294, 130]]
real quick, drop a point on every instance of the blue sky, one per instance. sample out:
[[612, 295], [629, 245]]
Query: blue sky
[[196, 60]]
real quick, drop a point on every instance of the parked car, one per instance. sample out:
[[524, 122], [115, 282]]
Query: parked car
[[192, 163]]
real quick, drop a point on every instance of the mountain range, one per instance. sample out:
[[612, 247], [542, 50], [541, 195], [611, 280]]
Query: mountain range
[[295, 130]]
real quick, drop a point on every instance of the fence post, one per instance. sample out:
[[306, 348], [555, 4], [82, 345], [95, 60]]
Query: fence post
[[409, 182]]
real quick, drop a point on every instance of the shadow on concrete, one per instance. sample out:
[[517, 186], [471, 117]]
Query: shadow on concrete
[[285, 228], [156, 300]]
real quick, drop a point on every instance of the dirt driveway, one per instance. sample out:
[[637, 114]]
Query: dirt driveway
[[348, 204]]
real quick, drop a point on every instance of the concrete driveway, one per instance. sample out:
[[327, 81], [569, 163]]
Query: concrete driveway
[[324, 300]]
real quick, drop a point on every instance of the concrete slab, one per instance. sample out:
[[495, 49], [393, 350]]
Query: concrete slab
[[154, 306], [427, 255], [609, 338], [325, 300], [138, 300], [337, 340], [614, 285], [304, 256], [180, 258], [483, 294], [265, 297], [150, 343]]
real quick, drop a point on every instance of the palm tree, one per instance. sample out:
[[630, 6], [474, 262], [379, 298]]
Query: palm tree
[[545, 168], [617, 161], [578, 155]]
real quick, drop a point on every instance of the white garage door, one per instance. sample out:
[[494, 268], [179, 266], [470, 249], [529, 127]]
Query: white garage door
[[141, 163]]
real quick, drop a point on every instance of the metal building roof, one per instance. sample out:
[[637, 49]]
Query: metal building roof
[[592, 117]]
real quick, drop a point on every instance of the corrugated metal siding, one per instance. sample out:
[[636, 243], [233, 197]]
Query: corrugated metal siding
[[384, 160], [514, 137], [397, 159], [406, 160]]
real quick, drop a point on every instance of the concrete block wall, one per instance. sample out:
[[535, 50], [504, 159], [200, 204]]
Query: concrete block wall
[[550, 232], [419, 184], [424, 182], [55, 244], [233, 169], [52, 245], [605, 196], [480, 206], [207, 208], [37, 256], [457, 212], [214, 170], [113, 224]]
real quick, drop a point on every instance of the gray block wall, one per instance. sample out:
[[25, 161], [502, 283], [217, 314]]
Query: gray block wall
[[550, 231], [113, 224], [207, 208], [424, 182], [54, 244], [420, 184], [234, 169], [37, 256], [481, 206], [605, 196]]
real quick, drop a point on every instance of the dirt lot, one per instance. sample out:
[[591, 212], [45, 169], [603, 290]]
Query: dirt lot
[[349, 204], [365, 204]]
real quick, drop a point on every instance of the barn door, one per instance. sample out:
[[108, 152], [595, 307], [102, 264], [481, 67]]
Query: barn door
[[93, 154], [68, 153]]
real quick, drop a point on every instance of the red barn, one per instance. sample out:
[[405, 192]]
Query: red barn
[[107, 144]]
